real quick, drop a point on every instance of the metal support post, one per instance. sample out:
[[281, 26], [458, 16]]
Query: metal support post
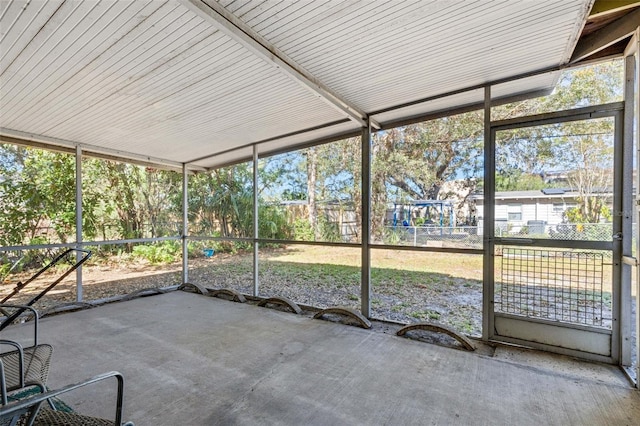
[[488, 222], [626, 212], [79, 295], [185, 224], [617, 267], [637, 140], [365, 267], [256, 284], [636, 51]]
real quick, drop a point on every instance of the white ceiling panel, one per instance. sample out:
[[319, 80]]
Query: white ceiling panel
[[537, 85], [472, 97], [227, 157], [181, 81], [338, 130], [379, 54]]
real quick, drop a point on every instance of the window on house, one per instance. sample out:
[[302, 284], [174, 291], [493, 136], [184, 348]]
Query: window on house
[[514, 212]]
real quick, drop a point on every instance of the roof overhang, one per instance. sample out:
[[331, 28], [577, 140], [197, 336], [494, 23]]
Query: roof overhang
[[204, 82]]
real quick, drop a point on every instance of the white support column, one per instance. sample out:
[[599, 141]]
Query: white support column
[[637, 140], [185, 224], [488, 222], [79, 295], [256, 284], [626, 213], [617, 300], [634, 48], [365, 202]]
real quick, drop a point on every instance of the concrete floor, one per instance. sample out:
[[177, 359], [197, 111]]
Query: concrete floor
[[196, 360]]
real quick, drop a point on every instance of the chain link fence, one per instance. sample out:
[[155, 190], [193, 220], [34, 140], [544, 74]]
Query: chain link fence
[[433, 236], [471, 236]]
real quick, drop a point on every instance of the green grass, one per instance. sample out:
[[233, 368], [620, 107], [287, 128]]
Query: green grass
[[406, 285], [402, 282], [425, 314]]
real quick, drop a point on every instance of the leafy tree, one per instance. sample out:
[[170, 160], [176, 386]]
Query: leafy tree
[[582, 149], [122, 181], [590, 157], [338, 185], [221, 203], [222, 200], [158, 191], [327, 177], [140, 201], [414, 162], [37, 194], [513, 179]]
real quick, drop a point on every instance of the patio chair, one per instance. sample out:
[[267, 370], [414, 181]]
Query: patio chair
[[29, 411], [25, 364]]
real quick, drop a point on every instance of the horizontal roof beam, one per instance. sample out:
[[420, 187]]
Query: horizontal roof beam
[[44, 142], [233, 27]]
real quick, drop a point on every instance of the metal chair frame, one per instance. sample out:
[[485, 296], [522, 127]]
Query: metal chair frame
[[28, 411]]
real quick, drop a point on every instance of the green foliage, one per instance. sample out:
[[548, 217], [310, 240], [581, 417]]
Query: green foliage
[[415, 162], [577, 214], [222, 201], [322, 175], [515, 180], [122, 201], [37, 189], [426, 314], [302, 230], [605, 212], [393, 236], [272, 222], [159, 253], [574, 215], [4, 270], [228, 247], [329, 231], [37, 195]]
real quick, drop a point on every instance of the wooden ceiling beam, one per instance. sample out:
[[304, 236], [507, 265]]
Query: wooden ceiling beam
[[612, 33]]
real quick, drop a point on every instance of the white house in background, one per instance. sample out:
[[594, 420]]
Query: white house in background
[[539, 208]]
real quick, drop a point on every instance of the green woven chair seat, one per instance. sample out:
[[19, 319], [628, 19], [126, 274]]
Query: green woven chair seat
[[37, 360], [48, 417]]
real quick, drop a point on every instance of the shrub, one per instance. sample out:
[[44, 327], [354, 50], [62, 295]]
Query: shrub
[[164, 252], [302, 230]]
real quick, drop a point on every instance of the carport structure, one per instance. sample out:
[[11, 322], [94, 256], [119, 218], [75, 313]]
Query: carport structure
[[192, 85]]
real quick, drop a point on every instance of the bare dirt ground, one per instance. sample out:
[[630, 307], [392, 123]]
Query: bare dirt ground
[[99, 282], [312, 276]]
